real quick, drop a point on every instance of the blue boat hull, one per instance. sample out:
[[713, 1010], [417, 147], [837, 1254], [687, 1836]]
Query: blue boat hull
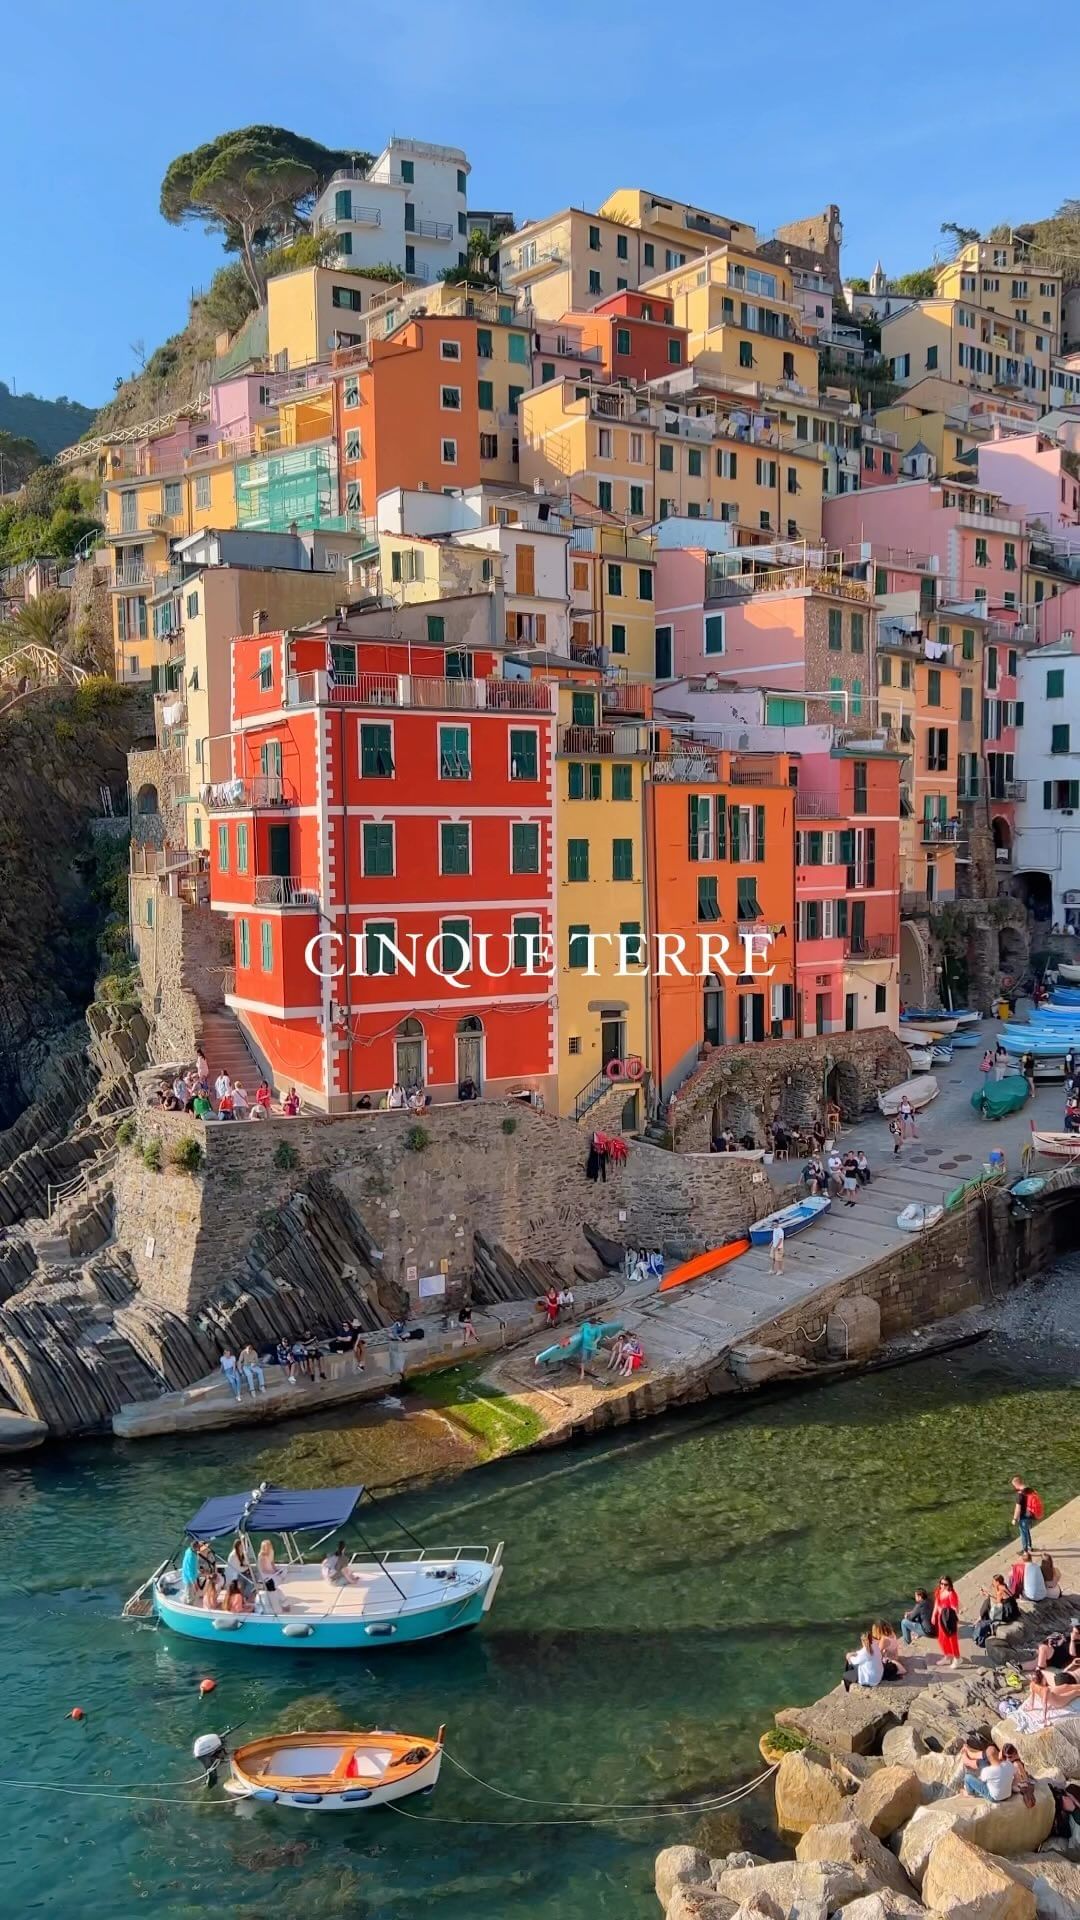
[[761, 1232], [326, 1636]]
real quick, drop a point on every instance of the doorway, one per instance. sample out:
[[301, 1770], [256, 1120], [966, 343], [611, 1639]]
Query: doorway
[[279, 850], [612, 1038], [409, 1053], [663, 653], [470, 1052]]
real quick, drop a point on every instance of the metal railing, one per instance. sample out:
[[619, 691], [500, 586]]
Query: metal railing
[[431, 230], [720, 585], [131, 576], [875, 946], [754, 777], [67, 1189], [816, 806], [626, 698], [356, 217], [280, 890], [622, 741], [939, 832], [262, 790], [426, 691], [692, 765], [603, 1082]]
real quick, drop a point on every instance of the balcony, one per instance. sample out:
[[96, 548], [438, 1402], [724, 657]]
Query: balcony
[[356, 217], [263, 790], [531, 260], [566, 344], [279, 890], [803, 576], [618, 742], [939, 833], [626, 698], [431, 230], [755, 777], [816, 806], [691, 766], [413, 690], [869, 946], [134, 574]]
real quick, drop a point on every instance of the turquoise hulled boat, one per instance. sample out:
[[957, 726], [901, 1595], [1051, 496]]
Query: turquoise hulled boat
[[394, 1598]]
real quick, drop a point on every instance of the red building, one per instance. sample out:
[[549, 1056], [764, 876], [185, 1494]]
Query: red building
[[382, 817], [636, 334]]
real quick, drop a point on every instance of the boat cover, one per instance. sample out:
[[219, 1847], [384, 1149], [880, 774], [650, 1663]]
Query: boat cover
[[276, 1510], [1000, 1097]]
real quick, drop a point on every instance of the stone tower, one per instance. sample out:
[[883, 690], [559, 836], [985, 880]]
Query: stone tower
[[821, 234]]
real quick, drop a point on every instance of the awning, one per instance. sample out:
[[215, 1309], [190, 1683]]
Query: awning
[[276, 1510]]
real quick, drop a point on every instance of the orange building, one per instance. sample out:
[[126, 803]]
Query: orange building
[[721, 853], [636, 334], [433, 404]]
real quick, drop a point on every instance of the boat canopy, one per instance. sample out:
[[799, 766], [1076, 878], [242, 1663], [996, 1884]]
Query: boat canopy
[[276, 1510]]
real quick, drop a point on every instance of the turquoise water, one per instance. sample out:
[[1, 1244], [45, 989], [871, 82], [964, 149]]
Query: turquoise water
[[664, 1593]]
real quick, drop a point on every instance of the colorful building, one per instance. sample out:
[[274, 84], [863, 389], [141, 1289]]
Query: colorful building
[[612, 599], [993, 322], [847, 888], [745, 313], [378, 799], [406, 210], [636, 336]]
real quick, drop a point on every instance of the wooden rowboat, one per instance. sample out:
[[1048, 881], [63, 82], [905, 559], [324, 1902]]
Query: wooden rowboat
[[335, 1772], [703, 1263], [1060, 1146], [920, 1092]]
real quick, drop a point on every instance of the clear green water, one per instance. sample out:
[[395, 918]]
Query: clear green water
[[664, 1593]]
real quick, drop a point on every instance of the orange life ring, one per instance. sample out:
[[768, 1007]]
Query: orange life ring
[[632, 1066], [615, 1070]]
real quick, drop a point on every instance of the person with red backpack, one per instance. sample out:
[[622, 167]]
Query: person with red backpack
[[1028, 1507]]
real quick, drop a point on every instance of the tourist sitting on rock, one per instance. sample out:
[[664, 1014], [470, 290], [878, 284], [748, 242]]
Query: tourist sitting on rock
[[862, 1166], [1051, 1577], [231, 1371], [1031, 1583], [865, 1667], [633, 1356], [994, 1780], [919, 1619], [999, 1609], [972, 1754], [883, 1633], [1060, 1650], [1058, 1692], [396, 1099], [1023, 1784]]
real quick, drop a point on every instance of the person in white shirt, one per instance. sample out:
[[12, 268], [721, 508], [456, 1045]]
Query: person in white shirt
[[776, 1250], [240, 1100], [1034, 1583], [994, 1781], [231, 1371], [335, 1568], [222, 1086], [865, 1667]]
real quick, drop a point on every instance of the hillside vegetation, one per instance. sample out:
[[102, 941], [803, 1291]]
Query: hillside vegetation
[[50, 424]]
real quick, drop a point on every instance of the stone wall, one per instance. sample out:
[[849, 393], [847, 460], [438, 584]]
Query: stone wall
[[786, 1078], [182, 960], [525, 1189], [160, 768]]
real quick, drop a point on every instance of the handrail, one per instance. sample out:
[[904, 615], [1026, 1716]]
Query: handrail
[[58, 1192]]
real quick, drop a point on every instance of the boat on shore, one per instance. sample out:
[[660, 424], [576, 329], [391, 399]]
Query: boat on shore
[[703, 1264], [921, 1058], [329, 1772], [1068, 970], [377, 1599], [915, 1218], [937, 1019], [920, 1092], [1059, 1146], [793, 1219]]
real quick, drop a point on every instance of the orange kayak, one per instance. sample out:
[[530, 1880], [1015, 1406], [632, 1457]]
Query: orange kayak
[[703, 1263]]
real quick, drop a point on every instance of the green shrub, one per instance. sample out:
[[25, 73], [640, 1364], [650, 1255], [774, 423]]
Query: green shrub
[[151, 1154], [186, 1154], [784, 1740], [417, 1139], [285, 1157], [509, 1125], [125, 1133], [119, 989]]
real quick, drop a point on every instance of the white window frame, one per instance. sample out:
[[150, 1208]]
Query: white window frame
[[449, 459], [449, 406], [527, 872], [449, 349], [713, 653], [637, 449], [353, 496], [370, 720], [510, 731], [604, 444], [461, 727], [377, 822], [469, 961], [381, 920], [352, 444]]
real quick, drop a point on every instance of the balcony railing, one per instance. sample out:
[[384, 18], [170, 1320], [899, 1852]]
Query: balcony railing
[[133, 575], [356, 217], [754, 777], [431, 230], [421, 690], [721, 585], [935, 833], [262, 790], [816, 806], [693, 765], [875, 946], [622, 742], [626, 698], [280, 890]]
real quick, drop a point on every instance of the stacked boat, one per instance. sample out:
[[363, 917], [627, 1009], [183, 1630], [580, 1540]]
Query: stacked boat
[[930, 1033], [1049, 1033]]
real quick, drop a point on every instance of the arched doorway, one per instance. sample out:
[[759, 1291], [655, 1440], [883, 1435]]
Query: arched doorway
[[1037, 894], [843, 1089], [1003, 840], [470, 1054], [914, 966], [409, 1053], [146, 800]]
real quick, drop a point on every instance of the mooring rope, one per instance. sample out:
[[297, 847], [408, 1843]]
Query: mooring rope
[[592, 1806]]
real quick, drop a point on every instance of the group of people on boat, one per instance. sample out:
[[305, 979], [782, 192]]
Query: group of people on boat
[[239, 1586], [193, 1092]]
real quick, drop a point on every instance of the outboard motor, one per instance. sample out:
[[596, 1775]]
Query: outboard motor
[[209, 1750]]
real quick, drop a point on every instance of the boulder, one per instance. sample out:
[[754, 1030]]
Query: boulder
[[850, 1722], [887, 1799], [1054, 1881], [761, 1907], [885, 1905], [851, 1769], [939, 1774], [1006, 1826], [964, 1883], [1054, 1750], [902, 1746], [19, 1432], [807, 1793], [741, 1858], [694, 1902], [798, 1883], [679, 1864], [853, 1844]]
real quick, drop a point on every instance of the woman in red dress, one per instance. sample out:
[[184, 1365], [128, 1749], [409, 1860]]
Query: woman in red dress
[[946, 1622]]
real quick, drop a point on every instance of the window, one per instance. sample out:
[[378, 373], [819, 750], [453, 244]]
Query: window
[[191, 605], [1055, 683], [967, 697], [450, 399], [270, 759], [461, 178], [858, 629], [622, 859], [648, 253], [454, 847], [604, 443], [766, 473], [622, 341], [352, 444], [484, 348], [618, 638], [937, 750], [931, 359], [884, 670], [377, 846], [982, 557], [172, 498], [836, 630], [376, 751], [693, 462], [454, 753], [747, 907], [202, 489], [644, 583], [637, 500], [746, 353], [714, 633], [243, 943], [223, 849], [577, 859], [266, 946], [594, 282], [674, 353], [1059, 739], [933, 687], [348, 297], [352, 496], [523, 753], [1061, 793], [489, 446], [1010, 556], [708, 906], [456, 945], [727, 465], [449, 453], [858, 793], [667, 458], [603, 495], [622, 782], [594, 239], [241, 846], [578, 947], [991, 667], [485, 395], [266, 669], [526, 939], [524, 847], [967, 643], [378, 957]]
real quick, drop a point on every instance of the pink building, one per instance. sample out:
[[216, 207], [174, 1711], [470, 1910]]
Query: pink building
[[975, 544], [1030, 471], [238, 405]]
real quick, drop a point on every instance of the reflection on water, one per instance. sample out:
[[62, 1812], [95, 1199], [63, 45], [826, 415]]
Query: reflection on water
[[665, 1592]]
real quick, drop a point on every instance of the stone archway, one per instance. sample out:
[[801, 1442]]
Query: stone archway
[[146, 800], [843, 1089], [915, 969]]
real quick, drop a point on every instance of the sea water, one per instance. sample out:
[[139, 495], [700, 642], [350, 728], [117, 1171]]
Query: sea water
[[665, 1591]]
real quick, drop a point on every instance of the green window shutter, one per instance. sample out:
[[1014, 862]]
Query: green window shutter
[[1018, 714], [603, 495], [577, 859], [847, 846], [595, 780], [933, 687], [631, 932], [622, 859], [266, 946], [513, 395], [1048, 794], [842, 918], [243, 933], [748, 908], [714, 633], [523, 764], [241, 846], [618, 638], [735, 819], [622, 340], [836, 686], [836, 630], [858, 630], [456, 956], [644, 583], [484, 349], [376, 757], [485, 395], [454, 847], [667, 458], [436, 629], [697, 823], [524, 847], [614, 580], [1059, 739], [223, 849], [1055, 683], [622, 783], [966, 703], [578, 952], [575, 787], [547, 371], [693, 462], [526, 934], [518, 352], [721, 827], [378, 848], [377, 959], [967, 642], [582, 709], [708, 907], [637, 500], [454, 763], [759, 834]]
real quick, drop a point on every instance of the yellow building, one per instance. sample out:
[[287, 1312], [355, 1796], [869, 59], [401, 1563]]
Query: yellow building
[[612, 582], [151, 498], [950, 420], [572, 259], [412, 569], [744, 311], [600, 889], [675, 224], [993, 322], [315, 311]]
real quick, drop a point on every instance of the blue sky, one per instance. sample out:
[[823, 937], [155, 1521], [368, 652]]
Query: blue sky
[[905, 117]]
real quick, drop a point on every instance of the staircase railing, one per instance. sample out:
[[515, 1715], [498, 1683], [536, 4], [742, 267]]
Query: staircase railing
[[603, 1082]]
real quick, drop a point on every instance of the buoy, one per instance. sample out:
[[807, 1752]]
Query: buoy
[[207, 1686], [76, 1714]]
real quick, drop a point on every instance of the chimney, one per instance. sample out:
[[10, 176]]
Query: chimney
[[257, 619]]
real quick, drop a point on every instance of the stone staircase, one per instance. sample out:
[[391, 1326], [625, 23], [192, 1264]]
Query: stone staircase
[[222, 1040]]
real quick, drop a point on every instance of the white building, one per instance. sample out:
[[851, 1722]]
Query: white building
[[1046, 856], [407, 210]]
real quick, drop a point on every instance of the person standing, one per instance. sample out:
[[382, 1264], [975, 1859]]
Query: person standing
[[946, 1619], [1022, 1513], [776, 1249], [907, 1120]]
